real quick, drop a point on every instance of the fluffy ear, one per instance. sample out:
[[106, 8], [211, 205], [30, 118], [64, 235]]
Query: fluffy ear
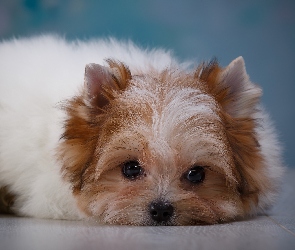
[[232, 87], [244, 95], [101, 81], [238, 97]]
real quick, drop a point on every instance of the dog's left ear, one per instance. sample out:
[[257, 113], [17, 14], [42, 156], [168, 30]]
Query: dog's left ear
[[101, 81], [243, 94], [238, 98], [231, 87]]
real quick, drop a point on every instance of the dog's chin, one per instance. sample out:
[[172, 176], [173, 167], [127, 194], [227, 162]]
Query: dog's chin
[[142, 221], [150, 222]]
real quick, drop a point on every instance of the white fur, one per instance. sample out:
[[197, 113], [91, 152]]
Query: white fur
[[35, 75], [271, 150]]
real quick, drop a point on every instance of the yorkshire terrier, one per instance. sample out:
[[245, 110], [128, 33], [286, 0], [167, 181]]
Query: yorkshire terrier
[[145, 140]]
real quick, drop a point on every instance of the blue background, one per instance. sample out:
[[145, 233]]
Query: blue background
[[263, 32]]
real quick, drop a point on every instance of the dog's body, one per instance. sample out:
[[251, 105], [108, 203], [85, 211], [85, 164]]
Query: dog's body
[[153, 143]]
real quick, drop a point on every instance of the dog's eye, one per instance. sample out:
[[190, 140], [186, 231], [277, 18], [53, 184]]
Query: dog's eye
[[196, 174], [131, 169]]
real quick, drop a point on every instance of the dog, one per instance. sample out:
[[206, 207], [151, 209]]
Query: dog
[[107, 131]]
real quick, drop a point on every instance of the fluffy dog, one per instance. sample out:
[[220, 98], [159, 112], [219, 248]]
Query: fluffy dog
[[144, 140]]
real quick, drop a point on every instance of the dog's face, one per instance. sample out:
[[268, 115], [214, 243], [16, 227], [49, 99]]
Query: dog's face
[[163, 148]]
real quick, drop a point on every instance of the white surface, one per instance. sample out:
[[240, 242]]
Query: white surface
[[273, 231]]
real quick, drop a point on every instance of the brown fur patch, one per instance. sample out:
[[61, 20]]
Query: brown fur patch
[[6, 200], [83, 127], [98, 140], [209, 73], [242, 138]]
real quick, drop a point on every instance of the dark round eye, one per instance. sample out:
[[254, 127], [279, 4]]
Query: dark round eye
[[131, 169], [196, 174]]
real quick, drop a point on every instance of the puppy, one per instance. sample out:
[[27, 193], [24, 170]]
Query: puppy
[[136, 139]]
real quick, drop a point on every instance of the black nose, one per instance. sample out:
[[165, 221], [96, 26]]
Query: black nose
[[161, 211]]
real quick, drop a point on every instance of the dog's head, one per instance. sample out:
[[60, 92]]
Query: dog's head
[[164, 147]]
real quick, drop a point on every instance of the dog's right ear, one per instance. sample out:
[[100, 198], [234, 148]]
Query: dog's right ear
[[101, 81]]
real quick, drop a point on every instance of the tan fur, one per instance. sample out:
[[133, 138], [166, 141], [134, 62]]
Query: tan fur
[[242, 138], [99, 139]]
